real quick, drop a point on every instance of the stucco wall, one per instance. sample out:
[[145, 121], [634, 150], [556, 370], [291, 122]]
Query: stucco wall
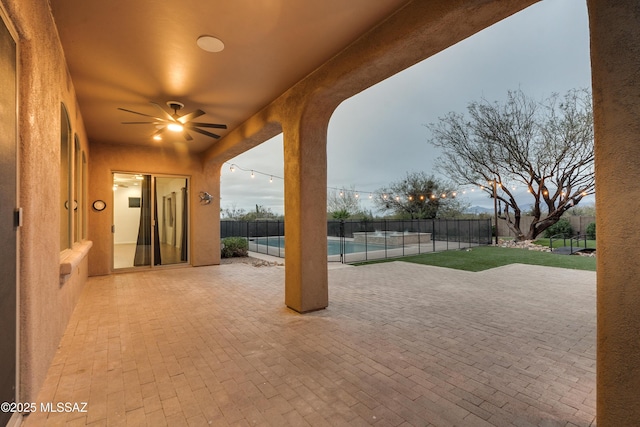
[[109, 158], [46, 302]]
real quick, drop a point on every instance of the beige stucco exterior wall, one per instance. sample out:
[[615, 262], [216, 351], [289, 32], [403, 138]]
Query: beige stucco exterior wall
[[615, 59], [204, 235], [46, 301]]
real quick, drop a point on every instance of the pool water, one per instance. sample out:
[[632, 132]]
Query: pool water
[[333, 246]]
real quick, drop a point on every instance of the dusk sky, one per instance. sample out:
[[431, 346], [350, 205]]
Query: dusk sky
[[379, 135]]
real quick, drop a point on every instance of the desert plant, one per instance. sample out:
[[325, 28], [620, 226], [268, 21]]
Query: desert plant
[[234, 247]]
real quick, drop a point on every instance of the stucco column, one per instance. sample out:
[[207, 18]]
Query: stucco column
[[615, 58], [205, 217], [305, 213]]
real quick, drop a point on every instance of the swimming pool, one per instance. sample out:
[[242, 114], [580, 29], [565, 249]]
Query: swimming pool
[[333, 246]]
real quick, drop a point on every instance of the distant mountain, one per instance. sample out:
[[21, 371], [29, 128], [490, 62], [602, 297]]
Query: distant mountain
[[478, 210], [481, 210]]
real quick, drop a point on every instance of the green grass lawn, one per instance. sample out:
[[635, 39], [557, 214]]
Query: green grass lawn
[[486, 257]]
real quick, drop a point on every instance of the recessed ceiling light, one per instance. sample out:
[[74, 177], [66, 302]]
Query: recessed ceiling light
[[210, 44]]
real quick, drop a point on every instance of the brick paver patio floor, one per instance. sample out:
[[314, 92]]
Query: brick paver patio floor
[[400, 345]]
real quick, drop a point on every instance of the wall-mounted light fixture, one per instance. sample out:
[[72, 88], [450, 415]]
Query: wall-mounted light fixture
[[205, 198]]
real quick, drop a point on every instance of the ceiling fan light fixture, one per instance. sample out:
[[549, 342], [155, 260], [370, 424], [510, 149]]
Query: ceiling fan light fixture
[[175, 127], [175, 122], [210, 44]]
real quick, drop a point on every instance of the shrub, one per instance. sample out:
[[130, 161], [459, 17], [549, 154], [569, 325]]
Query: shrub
[[562, 227], [591, 231], [234, 247], [341, 214]]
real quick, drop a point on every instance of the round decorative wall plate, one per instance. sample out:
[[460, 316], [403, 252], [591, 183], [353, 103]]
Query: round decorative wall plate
[[99, 205]]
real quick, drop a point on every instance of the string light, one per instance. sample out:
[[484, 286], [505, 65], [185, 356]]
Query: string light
[[356, 193]]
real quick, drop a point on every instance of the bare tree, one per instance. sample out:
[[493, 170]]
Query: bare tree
[[547, 146], [419, 196], [343, 203], [233, 212]]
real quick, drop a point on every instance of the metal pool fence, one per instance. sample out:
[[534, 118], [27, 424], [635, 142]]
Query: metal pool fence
[[356, 240]]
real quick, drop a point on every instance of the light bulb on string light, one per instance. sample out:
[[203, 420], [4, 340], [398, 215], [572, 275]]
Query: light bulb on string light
[[356, 194]]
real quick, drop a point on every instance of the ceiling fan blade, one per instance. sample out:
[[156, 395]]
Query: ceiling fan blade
[[188, 117], [187, 136], [203, 132], [208, 125], [141, 123], [159, 131], [141, 114], [166, 115]]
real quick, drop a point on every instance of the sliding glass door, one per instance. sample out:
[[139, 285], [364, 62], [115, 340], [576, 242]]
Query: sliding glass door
[[172, 204], [150, 220]]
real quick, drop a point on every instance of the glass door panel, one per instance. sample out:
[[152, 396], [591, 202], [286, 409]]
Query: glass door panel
[[132, 243], [172, 223]]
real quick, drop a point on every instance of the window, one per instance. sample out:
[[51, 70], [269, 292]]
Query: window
[[66, 207], [78, 200], [83, 205]]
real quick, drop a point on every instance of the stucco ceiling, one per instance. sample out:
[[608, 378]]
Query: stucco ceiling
[[128, 53]]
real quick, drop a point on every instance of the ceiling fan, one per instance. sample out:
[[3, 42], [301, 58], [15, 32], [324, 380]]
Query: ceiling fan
[[176, 123]]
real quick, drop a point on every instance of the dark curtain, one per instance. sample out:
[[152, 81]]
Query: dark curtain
[[185, 207], [143, 245]]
